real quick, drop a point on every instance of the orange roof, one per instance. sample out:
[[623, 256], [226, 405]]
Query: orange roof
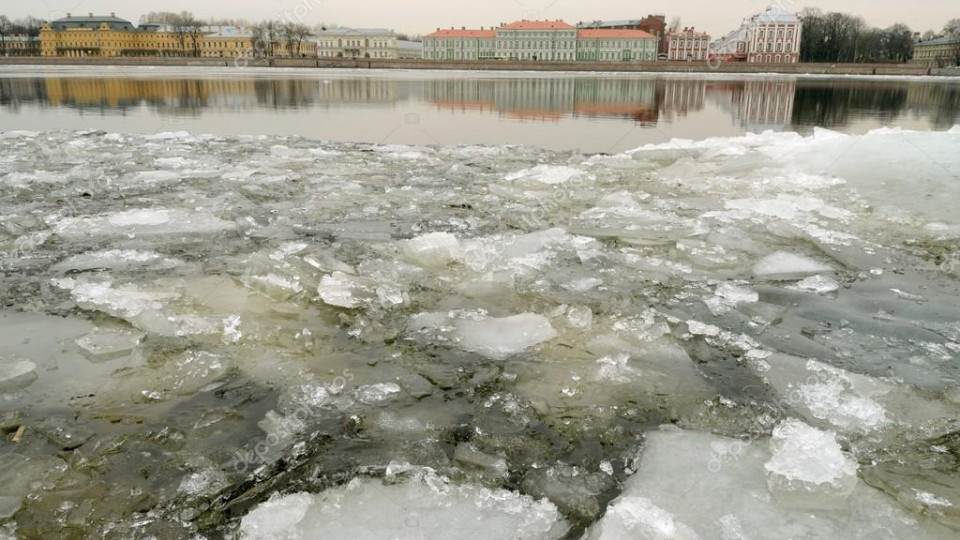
[[615, 34], [537, 25], [463, 33]]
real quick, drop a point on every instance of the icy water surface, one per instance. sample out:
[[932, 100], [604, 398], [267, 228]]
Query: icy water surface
[[590, 112], [273, 337]]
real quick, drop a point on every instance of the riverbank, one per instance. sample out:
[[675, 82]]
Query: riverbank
[[650, 67]]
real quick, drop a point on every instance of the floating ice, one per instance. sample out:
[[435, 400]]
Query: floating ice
[[694, 485], [808, 469], [782, 266], [433, 250], [106, 344], [819, 284], [494, 338], [339, 289], [546, 174], [425, 506], [141, 222], [16, 374]]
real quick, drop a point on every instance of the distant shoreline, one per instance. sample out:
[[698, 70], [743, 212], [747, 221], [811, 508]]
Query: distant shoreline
[[620, 67]]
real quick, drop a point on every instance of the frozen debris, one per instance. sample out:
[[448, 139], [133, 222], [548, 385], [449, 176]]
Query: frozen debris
[[16, 374], [141, 307], [583, 285], [494, 338], [580, 317], [819, 284], [377, 394], [639, 518], [808, 468], [423, 506], [546, 174], [697, 485], [433, 250], [575, 491], [855, 404], [467, 454], [141, 222], [783, 266], [105, 344], [338, 289], [205, 482], [826, 395], [117, 259], [730, 295]]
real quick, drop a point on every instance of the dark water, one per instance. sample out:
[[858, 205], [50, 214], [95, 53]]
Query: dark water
[[594, 113]]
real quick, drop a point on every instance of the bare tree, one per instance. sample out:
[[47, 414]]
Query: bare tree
[[4, 30], [952, 31], [194, 30], [674, 25], [295, 34]]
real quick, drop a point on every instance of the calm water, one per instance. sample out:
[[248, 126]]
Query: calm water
[[592, 113]]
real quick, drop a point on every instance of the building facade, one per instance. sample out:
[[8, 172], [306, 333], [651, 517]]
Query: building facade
[[356, 43], [655, 25], [938, 52], [540, 41], [687, 45], [110, 36], [20, 46], [771, 37]]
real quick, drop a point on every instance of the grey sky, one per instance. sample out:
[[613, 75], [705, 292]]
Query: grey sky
[[423, 16]]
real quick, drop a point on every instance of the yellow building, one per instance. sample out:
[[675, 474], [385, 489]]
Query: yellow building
[[96, 36]]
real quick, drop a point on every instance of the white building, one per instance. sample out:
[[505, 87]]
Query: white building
[[687, 45], [540, 41], [356, 43], [771, 37]]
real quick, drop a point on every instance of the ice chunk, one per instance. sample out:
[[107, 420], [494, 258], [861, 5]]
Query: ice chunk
[[140, 307], [808, 469], [545, 174], [494, 338], [819, 284], [704, 486], [339, 289], [466, 454], [500, 338], [16, 374], [425, 506], [434, 250], [141, 222], [824, 394], [107, 344], [639, 518], [783, 266], [117, 259]]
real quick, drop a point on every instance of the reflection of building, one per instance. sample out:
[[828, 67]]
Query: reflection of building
[[356, 43], [540, 41], [759, 105], [681, 96], [95, 36], [770, 37], [687, 45], [938, 52], [547, 99], [20, 46]]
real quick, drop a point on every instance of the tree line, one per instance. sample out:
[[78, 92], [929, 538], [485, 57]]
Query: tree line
[[842, 37]]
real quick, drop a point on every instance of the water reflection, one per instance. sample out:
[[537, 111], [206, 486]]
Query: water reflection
[[753, 104]]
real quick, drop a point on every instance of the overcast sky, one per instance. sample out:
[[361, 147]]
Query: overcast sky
[[423, 16]]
